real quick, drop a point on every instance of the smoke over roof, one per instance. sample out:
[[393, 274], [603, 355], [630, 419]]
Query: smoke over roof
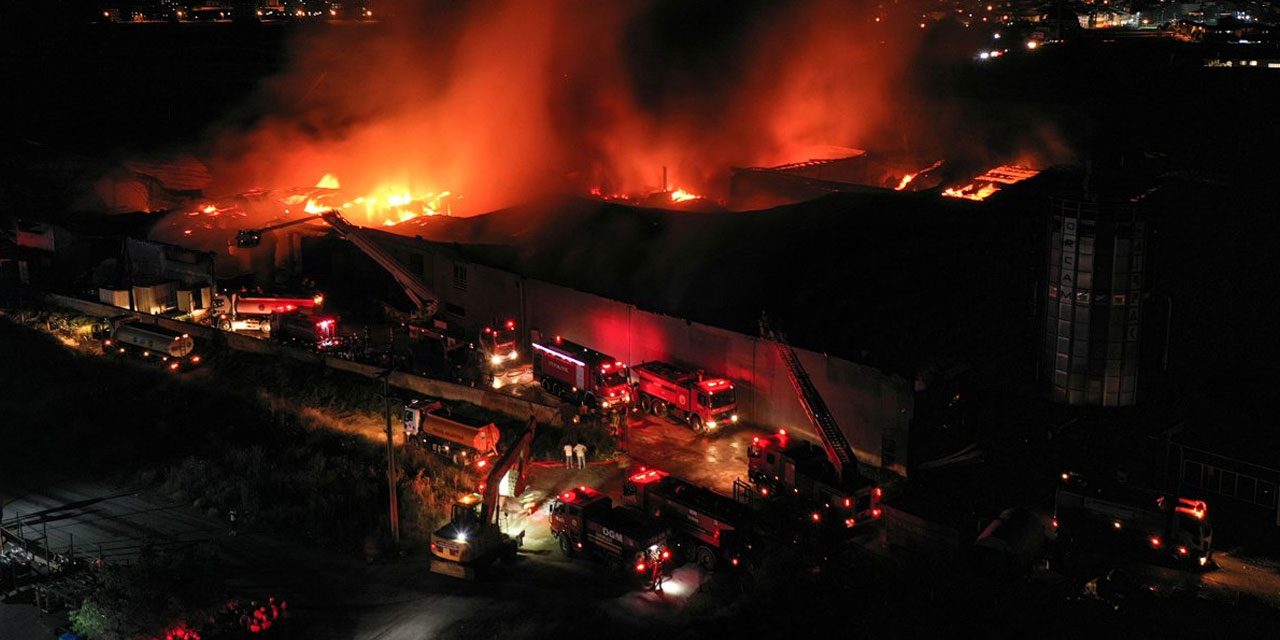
[[499, 101]]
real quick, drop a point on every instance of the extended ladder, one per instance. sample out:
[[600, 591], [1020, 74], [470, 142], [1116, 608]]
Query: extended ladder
[[833, 440]]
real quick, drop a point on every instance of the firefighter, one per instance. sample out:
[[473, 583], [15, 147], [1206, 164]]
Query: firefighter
[[231, 515], [655, 561], [580, 450], [568, 455]]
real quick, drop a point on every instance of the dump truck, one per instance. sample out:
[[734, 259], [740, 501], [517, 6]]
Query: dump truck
[[704, 403], [710, 529], [1160, 524], [584, 521], [579, 374], [171, 349], [460, 439]]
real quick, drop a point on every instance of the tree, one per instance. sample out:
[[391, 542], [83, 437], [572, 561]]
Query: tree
[[145, 598]]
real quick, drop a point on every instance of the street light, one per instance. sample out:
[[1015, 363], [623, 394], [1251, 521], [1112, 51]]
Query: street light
[[391, 459]]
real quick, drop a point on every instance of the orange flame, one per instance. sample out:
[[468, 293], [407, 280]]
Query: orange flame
[[906, 180], [680, 195], [972, 191], [386, 206]]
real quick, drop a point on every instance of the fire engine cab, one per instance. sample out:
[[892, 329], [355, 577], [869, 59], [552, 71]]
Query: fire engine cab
[[585, 521]]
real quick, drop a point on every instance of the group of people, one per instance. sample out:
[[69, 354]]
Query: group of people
[[575, 456]]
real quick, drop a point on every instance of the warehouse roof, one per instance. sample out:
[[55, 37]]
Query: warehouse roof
[[888, 279]]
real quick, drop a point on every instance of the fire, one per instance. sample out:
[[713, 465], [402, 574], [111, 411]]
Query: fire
[[991, 182], [680, 195], [971, 191], [386, 206], [906, 180]]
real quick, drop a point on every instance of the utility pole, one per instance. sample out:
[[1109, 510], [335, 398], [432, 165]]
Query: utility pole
[[391, 459]]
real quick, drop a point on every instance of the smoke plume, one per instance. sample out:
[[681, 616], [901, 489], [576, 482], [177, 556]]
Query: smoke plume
[[500, 101]]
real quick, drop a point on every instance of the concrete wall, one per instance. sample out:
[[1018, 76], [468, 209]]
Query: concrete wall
[[873, 409], [518, 408]]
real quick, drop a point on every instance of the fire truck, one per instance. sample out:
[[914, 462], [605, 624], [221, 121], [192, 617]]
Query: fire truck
[[1177, 529], [171, 349], [576, 373], [781, 466], [498, 345], [585, 521], [703, 403], [460, 439], [826, 476], [474, 536], [319, 332], [709, 528], [245, 311]]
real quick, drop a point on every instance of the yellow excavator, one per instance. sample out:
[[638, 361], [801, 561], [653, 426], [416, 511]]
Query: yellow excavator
[[474, 537]]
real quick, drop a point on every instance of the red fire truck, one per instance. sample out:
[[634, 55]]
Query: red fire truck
[[498, 344], [576, 373], [320, 332], [709, 528], [782, 466], [1177, 528], [585, 520], [702, 402]]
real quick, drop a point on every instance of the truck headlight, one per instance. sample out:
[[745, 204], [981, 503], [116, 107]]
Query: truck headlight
[[711, 424], [496, 359], [605, 403], [733, 418], [513, 355]]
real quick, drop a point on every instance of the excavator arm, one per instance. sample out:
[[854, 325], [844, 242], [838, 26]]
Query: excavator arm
[[514, 458]]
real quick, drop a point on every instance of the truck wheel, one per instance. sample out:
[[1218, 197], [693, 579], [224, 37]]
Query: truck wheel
[[645, 403], [660, 409], [566, 547], [695, 423], [706, 559]]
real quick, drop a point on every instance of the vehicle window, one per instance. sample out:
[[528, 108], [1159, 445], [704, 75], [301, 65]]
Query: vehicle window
[[771, 458], [721, 399], [702, 400]]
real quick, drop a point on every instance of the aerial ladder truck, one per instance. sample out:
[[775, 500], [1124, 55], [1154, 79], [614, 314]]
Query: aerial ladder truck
[[787, 466], [474, 537], [422, 324]]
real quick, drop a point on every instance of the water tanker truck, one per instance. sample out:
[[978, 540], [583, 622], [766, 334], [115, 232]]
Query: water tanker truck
[[172, 349]]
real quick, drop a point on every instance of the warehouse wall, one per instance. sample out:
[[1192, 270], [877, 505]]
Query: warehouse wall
[[873, 409]]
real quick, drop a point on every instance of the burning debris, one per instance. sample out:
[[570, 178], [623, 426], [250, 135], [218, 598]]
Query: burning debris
[[383, 207], [990, 182], [910, 177], [386, 206]]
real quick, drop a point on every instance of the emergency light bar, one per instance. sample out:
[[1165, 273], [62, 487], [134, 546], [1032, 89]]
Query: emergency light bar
[[558, 354]]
